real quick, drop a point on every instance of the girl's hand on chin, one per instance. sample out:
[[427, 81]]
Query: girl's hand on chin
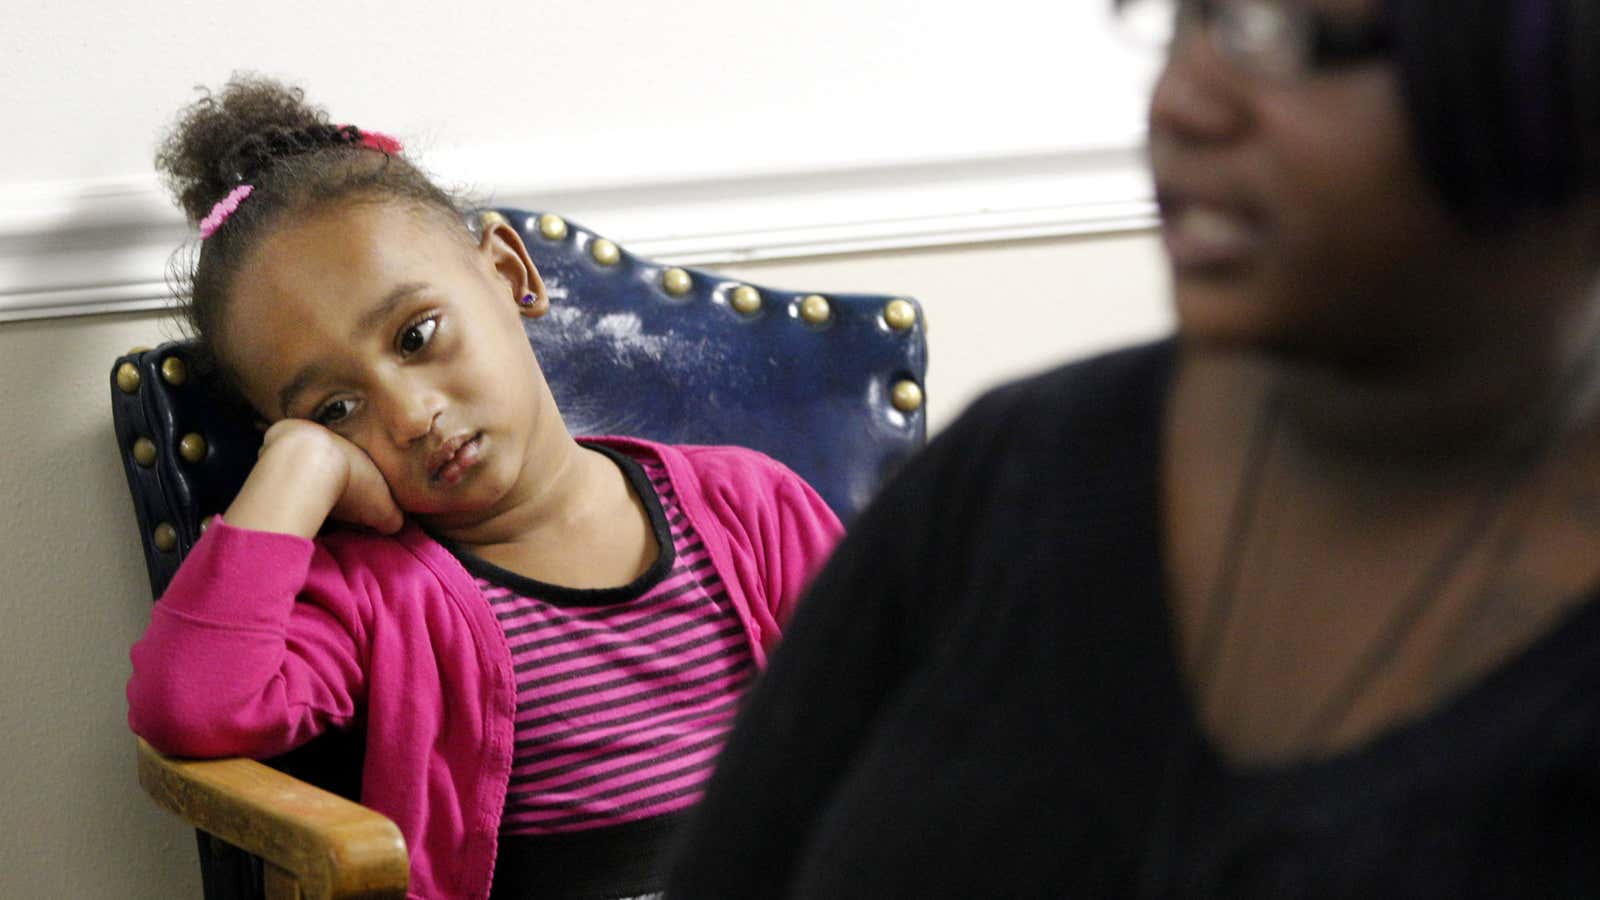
[[305, 474]]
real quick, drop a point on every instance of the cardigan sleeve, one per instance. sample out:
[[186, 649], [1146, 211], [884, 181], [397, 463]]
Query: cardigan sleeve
[[803, 533], [254, 648]]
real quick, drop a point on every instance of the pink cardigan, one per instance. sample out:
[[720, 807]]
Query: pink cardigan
[[264, 640]]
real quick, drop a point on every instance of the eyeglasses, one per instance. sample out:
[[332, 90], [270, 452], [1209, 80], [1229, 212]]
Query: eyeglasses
[[1283, 40]]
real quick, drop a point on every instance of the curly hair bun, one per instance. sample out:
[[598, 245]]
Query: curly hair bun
[[218, 140]]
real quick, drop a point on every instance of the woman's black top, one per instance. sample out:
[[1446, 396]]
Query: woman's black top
[[980, 699]]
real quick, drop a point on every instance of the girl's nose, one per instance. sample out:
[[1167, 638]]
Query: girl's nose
[[411, 415], [1199, 96]]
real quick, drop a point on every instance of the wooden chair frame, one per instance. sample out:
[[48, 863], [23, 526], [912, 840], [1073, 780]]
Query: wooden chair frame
[[314, 845]]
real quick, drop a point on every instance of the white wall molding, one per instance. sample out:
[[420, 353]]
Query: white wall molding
[[84, 248]]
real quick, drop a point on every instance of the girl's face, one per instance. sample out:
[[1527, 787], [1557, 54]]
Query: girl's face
[[376, 321], [1297, 216]]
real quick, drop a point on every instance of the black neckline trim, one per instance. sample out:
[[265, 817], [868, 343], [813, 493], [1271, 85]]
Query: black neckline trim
[[561, 595]]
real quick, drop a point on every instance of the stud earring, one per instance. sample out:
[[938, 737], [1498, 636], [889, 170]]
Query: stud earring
[[526, 300]]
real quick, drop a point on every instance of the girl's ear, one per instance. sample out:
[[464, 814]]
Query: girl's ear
[[502, 248]]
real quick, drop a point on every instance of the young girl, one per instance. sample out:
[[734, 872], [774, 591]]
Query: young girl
[[542, 639]]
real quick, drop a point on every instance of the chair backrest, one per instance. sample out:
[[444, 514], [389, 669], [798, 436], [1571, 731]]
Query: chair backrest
[[831, 384]]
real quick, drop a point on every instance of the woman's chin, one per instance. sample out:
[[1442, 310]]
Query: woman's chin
[[1248, 315], [1219, 312]]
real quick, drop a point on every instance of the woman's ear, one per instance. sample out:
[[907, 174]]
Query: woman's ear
[[501, 247]]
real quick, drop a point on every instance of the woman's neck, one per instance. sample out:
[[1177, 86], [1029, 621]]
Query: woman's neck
[[1483, 346], [1435, 415]]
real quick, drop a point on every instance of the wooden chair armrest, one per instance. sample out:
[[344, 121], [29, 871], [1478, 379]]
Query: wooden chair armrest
[[329, 846]]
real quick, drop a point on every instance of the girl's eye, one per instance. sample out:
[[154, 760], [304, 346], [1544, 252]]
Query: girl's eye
[[333, 412], [417, 336]]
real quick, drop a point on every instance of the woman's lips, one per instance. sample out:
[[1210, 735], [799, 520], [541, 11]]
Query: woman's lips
[[1202, 236], [454, 467]]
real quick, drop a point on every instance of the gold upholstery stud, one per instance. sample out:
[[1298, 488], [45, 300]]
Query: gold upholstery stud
[[128, 378], [552, 226], [815, 309], [166, 538], [489, 219], [906, 396], [204, 524], [144, 452], [745, 299], [676, 281], [135, 351], [174, 371], [192, 448], [604, 252], [899, 314]]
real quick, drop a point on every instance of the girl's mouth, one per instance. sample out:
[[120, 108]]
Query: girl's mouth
[[449, 464]]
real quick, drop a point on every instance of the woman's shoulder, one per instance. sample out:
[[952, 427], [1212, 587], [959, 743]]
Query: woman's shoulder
[[1107, 400], [1108, 384]]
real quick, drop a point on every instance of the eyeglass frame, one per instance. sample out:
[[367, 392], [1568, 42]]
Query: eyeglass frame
[[1327, 44]]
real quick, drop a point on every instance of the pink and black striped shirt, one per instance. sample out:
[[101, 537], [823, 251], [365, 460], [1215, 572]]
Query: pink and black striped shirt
[[624, 695]]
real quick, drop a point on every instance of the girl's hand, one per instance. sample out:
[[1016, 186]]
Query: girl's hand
[[306, 473]]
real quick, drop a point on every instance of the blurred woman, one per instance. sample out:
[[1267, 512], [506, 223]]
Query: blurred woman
[[1298, 603]]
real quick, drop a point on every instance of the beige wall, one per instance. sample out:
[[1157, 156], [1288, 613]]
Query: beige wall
[[75, 595]]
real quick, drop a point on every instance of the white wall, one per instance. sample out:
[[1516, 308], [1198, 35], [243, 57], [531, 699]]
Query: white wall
[[590, 90], [982, 157], [697, 130]]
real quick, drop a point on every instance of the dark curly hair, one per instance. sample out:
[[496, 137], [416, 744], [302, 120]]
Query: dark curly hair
[[261, 132]]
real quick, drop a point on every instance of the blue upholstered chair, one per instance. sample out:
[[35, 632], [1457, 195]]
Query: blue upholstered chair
[[829, 384]]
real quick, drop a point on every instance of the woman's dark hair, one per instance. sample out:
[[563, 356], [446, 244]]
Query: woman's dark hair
[[263, 133], [1504, 98]]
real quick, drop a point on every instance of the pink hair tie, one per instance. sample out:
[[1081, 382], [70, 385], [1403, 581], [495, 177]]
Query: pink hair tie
[[377, 140], [224, 208]]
